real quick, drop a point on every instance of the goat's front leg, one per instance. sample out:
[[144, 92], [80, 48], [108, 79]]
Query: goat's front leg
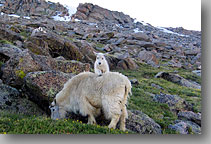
[[114, 121], [91, 119]]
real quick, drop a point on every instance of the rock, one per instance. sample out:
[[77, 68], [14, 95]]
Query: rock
[[9, 35], [42, 86], [141, 36], [19, 63], [11, 100], [156, 86], [33, 8], [197, 72], [56, 46], [186, 127], [134, 81], [16, 68], [141, 123], [126, 64], [37, 46], [174, 102], [175, 78], [190, 116], [148, 57], [94, 13], [181, 127]]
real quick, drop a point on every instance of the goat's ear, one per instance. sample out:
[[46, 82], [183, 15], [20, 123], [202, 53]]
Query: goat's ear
[[95, 53]]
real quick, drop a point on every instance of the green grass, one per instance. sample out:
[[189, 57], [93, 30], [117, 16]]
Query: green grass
[[143, 101], [23, 124], [3, 41]]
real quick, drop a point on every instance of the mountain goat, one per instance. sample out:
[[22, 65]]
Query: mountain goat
[[37, 30], [88, 94], [101, 65]]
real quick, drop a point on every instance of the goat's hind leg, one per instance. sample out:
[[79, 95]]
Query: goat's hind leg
[[114, 121], [123, 118]]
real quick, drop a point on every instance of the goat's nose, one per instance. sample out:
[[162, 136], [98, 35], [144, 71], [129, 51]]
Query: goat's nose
[[99, 63]]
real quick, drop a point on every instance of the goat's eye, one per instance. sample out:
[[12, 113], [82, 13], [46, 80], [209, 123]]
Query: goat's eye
[[102, 58]]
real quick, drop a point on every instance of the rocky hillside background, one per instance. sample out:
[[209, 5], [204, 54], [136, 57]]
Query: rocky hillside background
[[163, 64]]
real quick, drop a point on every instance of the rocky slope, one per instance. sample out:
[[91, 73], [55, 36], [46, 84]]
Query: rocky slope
[[35, 67]]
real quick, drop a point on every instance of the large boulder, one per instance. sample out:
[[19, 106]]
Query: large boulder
[[175, 78], [95, 13], [9, 35], [22, 62], [148, 57], [16, 68], [190, 116], [185, 127], [11, 100], [174, 102], [126, 64], [141, 123], [42, 86], [55, 45]]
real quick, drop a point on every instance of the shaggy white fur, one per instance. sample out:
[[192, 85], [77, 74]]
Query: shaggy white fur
[[37, 30], [88, 94], [101, 65]]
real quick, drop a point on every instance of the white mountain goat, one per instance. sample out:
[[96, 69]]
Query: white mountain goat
[[37, 30], [101, 65], [88, 94]]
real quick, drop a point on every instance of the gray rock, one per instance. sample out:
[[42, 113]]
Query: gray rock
[[175, 78], [186, 127], [42, 86], [141, 123], [190, 116], [12, 101], [197, 72], [174, 101]]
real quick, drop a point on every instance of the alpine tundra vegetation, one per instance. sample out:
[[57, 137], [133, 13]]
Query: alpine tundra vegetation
[[163, 66]]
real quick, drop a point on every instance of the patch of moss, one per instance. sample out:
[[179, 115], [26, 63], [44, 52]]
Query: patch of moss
[[20, 73]]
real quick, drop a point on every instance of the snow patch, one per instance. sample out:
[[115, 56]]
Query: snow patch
[[144, 23], [77, 20], [171, 32], [136, 30], [119, 25], [14, 15], [26, 17], [71, 11], [1, 5], [2, 13], [92, 24]]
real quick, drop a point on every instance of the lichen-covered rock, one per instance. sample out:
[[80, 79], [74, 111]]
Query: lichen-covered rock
[[141, 123], [185, 127], [173, 101], [16, 68], [190, 116], [42, 86], [12, 101], [22, 62]]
